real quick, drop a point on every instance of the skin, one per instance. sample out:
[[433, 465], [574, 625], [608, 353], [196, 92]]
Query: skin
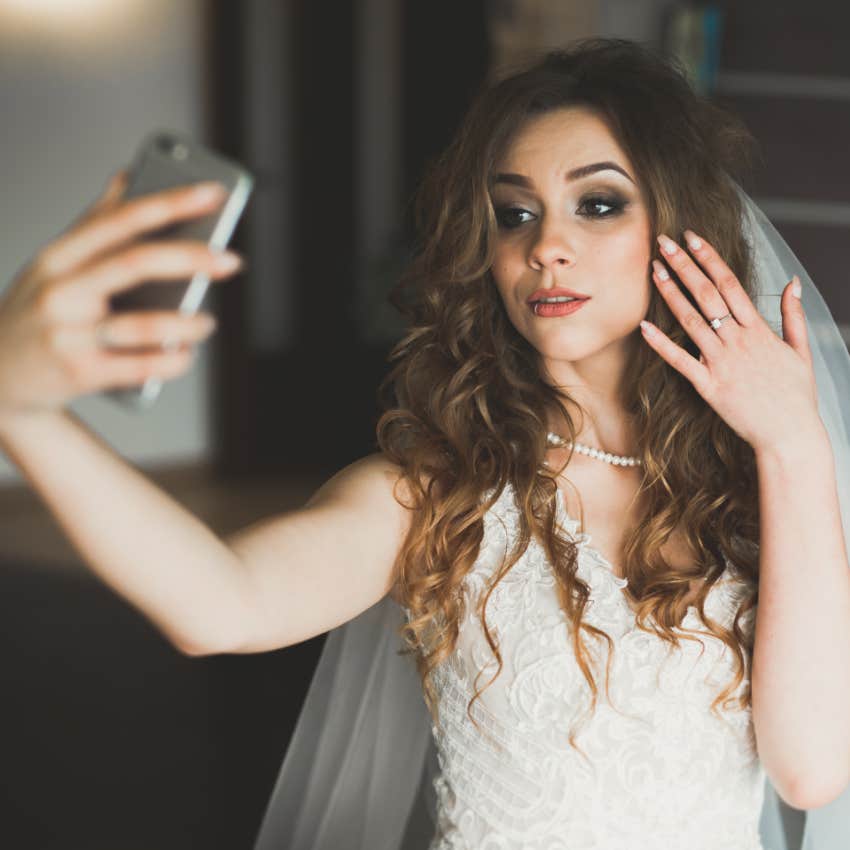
[[552, 234]]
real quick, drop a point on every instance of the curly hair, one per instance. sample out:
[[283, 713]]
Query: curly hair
[[465, 407]]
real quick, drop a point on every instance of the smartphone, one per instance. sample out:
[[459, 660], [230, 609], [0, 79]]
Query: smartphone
[[166, 159]]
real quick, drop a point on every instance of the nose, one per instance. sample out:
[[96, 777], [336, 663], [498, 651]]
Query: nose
[[550, 247]]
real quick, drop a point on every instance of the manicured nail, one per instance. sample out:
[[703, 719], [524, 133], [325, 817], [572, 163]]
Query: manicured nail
[[796, 289], [668, 246], [694, 242], [208, 192], [227, 261], [660, 270]]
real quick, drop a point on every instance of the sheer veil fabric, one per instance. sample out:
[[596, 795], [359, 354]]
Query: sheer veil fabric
[[359, 769]]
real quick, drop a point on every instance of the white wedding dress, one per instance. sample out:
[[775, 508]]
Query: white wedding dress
[[367, 770], [665, 773]]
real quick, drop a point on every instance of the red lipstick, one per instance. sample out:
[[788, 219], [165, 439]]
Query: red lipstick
[[557, 292], [563, 308]]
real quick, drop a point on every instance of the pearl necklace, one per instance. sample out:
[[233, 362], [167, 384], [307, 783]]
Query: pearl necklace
[[557, 441]]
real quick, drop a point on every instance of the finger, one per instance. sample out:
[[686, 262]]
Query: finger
[[148, 329], [794, 330], [677, 357], [114, 190], [125, 222], [145, 331], [132, 370], [706, 294], [115, 187], [734, 297], [165, 261], [690, 319]]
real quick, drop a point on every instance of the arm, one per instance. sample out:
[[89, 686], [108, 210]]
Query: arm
[[137, 539], [801, 661], [205, 595], [312, 569]]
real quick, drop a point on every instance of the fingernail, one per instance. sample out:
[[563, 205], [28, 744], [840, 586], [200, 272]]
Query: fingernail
[[208, 192], [694, 242], [796, 289], [668, 246], [208, 324], [227, 261]]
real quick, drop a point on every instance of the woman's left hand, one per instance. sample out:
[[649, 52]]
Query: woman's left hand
[[762, 386]]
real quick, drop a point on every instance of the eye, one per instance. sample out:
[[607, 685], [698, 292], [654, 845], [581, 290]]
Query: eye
[[505, 217], [615, 205], [508, 216]]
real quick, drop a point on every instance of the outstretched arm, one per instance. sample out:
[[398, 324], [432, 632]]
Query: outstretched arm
[[276, 583], [314, 568]]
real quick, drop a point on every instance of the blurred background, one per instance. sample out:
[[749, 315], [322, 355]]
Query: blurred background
[[110, 737]]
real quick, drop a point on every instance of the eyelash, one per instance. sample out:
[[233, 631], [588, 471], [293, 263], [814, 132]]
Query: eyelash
[[616, 205]]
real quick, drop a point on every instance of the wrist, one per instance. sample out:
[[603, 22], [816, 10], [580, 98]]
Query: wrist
[[805, 443], [12, 419]]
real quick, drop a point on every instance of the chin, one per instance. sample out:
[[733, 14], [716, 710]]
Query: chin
[[578, 349]]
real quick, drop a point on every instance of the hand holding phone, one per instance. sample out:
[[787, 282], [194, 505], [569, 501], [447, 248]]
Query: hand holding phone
[[50, 347], [166, 159]]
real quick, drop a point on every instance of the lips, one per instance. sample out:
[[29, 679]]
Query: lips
[[557, 308], [557, 292]]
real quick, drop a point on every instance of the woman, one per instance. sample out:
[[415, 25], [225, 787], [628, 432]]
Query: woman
[[579, 695], [683, 452]]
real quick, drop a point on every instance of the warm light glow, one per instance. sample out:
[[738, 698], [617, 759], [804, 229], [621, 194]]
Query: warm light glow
[[80, 21], [67, 8]]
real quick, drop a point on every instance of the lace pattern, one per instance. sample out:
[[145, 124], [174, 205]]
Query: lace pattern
[[663, 771]]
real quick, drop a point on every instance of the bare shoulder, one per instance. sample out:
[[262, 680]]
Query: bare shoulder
[[373, 492], [311, 569], [373, 484]]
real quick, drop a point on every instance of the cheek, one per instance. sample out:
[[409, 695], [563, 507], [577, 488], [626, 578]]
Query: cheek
[[636, 270], [637, 299], [504, 259], [506, 269]]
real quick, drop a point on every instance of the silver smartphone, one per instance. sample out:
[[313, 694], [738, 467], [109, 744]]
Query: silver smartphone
[[164, 160]]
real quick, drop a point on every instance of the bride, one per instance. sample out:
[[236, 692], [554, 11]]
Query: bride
[[566, 597]]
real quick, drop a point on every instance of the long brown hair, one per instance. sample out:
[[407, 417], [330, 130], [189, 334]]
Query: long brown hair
[[465, 409]]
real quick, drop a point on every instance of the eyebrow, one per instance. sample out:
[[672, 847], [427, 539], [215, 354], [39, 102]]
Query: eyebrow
[[575, 174]]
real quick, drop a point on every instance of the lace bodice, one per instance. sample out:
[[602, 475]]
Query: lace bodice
[[664, 774]]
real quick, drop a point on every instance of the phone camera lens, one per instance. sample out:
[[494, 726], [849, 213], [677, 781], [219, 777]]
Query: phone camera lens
[[164, 144], [172, 148]]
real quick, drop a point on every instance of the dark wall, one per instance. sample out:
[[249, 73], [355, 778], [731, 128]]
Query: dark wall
[[789, 79], [313, 404]]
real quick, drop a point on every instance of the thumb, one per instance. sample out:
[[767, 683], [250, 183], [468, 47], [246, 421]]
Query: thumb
[[794, 330], [115, 187]]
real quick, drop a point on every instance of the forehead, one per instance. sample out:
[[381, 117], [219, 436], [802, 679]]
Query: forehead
[[559, 140]]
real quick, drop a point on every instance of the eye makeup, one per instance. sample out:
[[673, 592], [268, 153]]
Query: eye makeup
[[593, 206]]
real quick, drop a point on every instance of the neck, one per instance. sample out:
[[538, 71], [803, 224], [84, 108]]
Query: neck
[[616, 438]]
